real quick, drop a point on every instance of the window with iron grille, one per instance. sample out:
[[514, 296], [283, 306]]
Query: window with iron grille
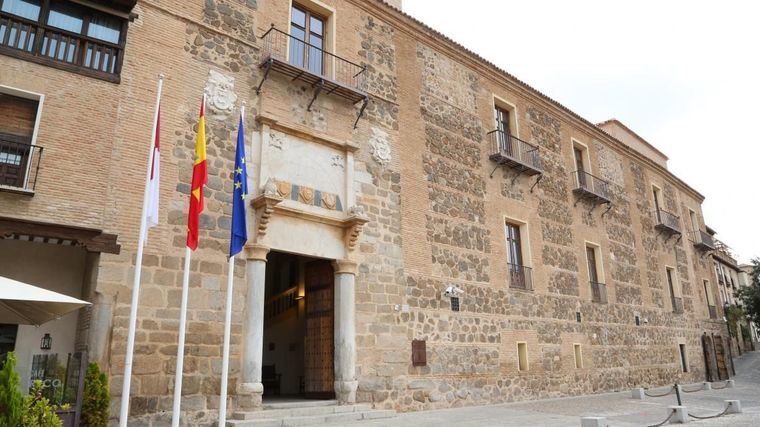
[[64, 35], [454, 303]]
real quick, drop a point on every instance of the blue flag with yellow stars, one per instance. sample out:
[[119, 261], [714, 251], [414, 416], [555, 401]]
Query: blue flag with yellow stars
[[238, 233]]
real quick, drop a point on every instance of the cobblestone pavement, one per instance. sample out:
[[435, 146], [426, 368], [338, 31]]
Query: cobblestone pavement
[[619, 408]]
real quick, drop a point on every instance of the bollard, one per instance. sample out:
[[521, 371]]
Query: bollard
[[594, 422], [733, 406], [678, 394], [681, 416], [706, 386], [637, 393], [729, 383]]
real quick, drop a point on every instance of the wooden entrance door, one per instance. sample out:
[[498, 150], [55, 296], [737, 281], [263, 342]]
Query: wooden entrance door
[[319, 371], [708, 352], [720, 357]]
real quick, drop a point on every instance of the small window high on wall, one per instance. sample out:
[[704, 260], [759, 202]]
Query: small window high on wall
[[522, 356], [578, 355]]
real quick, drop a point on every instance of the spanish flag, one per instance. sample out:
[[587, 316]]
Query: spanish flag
[[200, 178]]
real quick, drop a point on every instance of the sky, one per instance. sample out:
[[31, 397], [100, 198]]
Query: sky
[[684, 75]]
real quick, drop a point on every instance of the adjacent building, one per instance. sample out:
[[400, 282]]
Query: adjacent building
[[425, 230]]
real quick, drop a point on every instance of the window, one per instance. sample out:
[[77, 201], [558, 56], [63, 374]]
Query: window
[[656, 198], [582, 166], [682, 351], [519, 274], [674, 295], [18, 125], [514, 244], [578, 356], [503, 130], [307, 30], [522, 356], [694, 220], [454, 303], [64, 35], [598, 289]]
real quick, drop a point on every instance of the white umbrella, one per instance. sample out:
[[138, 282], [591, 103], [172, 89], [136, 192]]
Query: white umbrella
[[25, 304]]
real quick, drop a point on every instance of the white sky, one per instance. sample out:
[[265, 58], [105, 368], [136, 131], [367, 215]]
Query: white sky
[[682, 74]]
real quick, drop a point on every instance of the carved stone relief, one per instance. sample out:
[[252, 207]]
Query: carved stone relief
[[379, 147], [220, 96]]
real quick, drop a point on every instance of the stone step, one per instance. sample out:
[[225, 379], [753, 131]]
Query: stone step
[[318, 419], [289, 409]]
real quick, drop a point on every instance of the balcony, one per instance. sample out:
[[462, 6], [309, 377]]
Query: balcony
[[514, 153], [598, 292], [325, 72], [520, 277], [702, 241], [713, 312], [677, 303], [667, 223], [19, 164], [32, 41], [590, 187]]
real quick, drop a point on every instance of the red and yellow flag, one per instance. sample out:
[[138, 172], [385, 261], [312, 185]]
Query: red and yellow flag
[[200, 178]]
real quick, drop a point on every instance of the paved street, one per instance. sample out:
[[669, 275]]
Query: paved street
[[619, 408]]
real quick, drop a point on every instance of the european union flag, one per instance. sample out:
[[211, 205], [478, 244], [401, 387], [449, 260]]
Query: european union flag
[[238, 233]]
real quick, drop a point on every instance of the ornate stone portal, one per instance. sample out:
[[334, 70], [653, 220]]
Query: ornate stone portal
[[307, 219]]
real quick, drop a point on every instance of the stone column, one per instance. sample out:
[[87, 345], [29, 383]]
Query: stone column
[[251, 389], [345, 331]]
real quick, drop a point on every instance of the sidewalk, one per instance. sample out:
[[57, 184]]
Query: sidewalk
[[619, 408]]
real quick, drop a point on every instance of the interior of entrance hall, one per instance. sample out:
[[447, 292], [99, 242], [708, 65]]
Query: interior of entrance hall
[[298, 327]]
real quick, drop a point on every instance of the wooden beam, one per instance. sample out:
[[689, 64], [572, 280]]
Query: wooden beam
[[91, 239]]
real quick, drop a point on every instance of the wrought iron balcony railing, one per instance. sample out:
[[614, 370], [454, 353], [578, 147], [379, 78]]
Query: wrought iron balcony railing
[[599, 292], [702, 240], [520, 277], [592, 187], [300, 60], [19, 164], [668, 222], [677, 303], [713, 312], [512, 151], [41, 43]]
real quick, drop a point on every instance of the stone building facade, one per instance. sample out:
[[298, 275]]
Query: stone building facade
[[413, 199]]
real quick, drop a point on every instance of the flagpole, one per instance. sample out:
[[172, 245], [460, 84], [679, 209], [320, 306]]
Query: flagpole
[[226, 350], [178, 372], [124, 410], [227, 325]]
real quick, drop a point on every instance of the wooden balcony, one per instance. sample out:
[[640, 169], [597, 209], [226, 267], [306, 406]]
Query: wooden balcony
[[511, 151], [32, 41], [702, 241], [325, 72], [667, 223], [590, 187]]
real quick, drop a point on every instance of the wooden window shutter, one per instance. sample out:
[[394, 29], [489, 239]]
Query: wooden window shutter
[[419, 353]]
